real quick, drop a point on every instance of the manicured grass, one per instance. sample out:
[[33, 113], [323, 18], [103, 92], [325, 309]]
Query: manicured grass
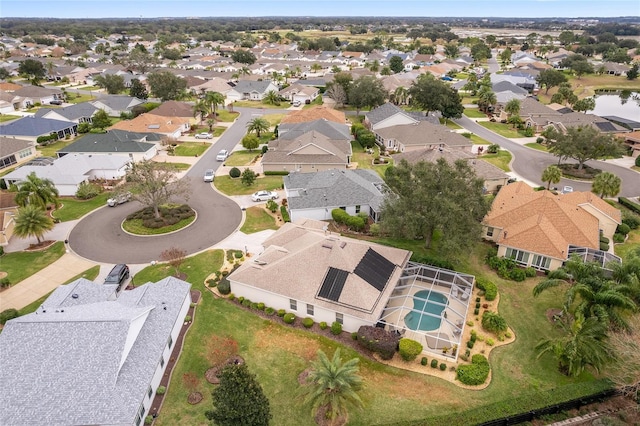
[[78, 99], [451, 125], [536, 146], [134, 226], [51, 149], [242, 158], [474, 113], [477, 140], [23, 264], [229, 186], [73, 208], [501, 159], [258, 104], [630, 247], [273, 119], [181, 167], [191, 149], [502, 129], [365, 161], [218, 131], [4, 117], [226, 116], [257, 219]]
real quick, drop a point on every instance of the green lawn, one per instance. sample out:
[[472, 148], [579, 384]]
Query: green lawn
[[477, 140], [4, 117], [51, 149], [501, 159], [226, 116], [191, 149], [73, 209], [23, 264], [77, 99], [502, 129], [259, 104], [257, 219], [241, 158], [451, 125], [474, 113], [218, 131], [536, 146], [229, 186], [365, 161]]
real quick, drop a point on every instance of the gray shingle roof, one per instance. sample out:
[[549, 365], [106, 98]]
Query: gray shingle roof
[[32, 126], [72, 112], [114, 141], [247, 86], [10, 146], [309, 148], [383, 112], [424, 134], [117, 102], [328, 128], [86, 360]]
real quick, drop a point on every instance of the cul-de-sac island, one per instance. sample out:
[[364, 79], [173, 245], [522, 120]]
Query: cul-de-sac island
[[418, 220]]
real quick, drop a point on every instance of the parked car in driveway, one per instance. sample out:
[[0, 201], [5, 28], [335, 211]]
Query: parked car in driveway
[[55, 102], [204, 136], [222, 155], [567, 189], [208, 175], [264, 195], [119, 199]]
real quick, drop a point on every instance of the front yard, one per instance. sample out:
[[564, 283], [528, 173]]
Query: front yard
[[258, 219], [73, 208], [229, 186], [503, 129], [242, 158], [23, 264], [501, 159], [191, 149]]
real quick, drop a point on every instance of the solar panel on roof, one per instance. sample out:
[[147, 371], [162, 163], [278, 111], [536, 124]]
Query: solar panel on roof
[[374, 269], [605, 126], [333, 284]]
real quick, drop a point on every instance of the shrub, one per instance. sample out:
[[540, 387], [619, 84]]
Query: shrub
[[340, 216], [161, 390], [489, 288], [618, 238], [1, 249], [378, 340], [307, 322], [493, 148], [470, 344], [467, 135], [281, 312], [604, 239], [323, 325], [354, 336], [634, 207], [604, 246], [517, 274], [355, 223], [264, 149], [276, 173], [231, 297], [224, 286], [631, 220], [289, 318], [637, 162], [366, 138], [443, 366], [476, 311], [235, 172], [478, 305], [336, 328], [241, 299], [272, 206], [212, 283], [285, 214], [530, 272], [148, 420], [473, 335], [87, 190], [4, 282], [494, 323], [253, 305], [187, 318], [424, 360], [623, 229], [477, 299], [490, 342], [434, 363], [269, 311], [428, 260], [8, 314], [409, 349], [475, 373], [261, 306]]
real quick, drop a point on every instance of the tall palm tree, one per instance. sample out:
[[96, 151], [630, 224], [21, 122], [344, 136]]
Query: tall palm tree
[[552, 174], [513, 107], [258, 125], [334, 385], [271, 98], [401, 95], [32, 221], [584, 344], [37, 191], [606, 184], [486, 98]]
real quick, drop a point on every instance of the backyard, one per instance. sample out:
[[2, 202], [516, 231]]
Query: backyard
[[365, 160]]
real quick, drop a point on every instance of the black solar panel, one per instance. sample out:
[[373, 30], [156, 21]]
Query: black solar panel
[[374, 269], [605, 126], [333, 283]]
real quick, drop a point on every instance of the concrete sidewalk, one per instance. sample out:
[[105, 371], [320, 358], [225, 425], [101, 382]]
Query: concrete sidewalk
[[43, 281]]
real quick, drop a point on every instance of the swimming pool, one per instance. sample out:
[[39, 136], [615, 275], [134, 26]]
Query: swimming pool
[[429, 306]]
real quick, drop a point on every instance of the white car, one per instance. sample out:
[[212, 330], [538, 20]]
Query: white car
[[222, 155], [208, 175], [264, 195], [119, 199], [567, 189], [204, 136]]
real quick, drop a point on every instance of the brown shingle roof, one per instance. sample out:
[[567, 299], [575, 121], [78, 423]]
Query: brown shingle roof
[[315, 113], [173, 109], [150, 123], [424, 134]]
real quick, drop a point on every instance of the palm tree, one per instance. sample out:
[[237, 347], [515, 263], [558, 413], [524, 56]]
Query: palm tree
[[552, 174], [401, 94], [271, 98], [258, 125], [316, 67], [32, 221], [513, 108], [36, 191], [606, 184], [486, 98], [582, 345], [333, 385]]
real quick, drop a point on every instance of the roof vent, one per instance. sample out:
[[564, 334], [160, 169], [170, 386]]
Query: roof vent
[[342, 244], [259, 262], [75, 296], [327, 245]]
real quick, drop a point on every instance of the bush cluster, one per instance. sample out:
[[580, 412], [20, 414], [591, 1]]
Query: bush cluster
[[634, 207], [88, 190], [489, 288], [168, 215], [434, 363], [307, 322], [269, 311], [618, 238], [409, 349], [378, 340], [475, 373], [355, 223], [433, 261], [424, 361], [494, 323], [285, 214], [289, 318], [276, 173], [224, 286], [366, 138], [45, 139], [8, 314], [323, 325], [506, 268], [336, 328], [234, 172]]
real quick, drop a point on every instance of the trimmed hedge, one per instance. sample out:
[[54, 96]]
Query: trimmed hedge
[[634, 207], [224, 287], [285, 214], [378, 340], [434, 363], [476, 373], [276, 173], [409, 349], [489, 288], [424, 361], [623, 229], [307, 322], [234, 173], [281, 312], [289, 318], [8, 314], [336, 328], [428, 260], [323, 325], [269, 311]]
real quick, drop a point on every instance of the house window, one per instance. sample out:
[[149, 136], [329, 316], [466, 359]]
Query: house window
[[24, 153], [521, 257], [541, 262], [161, 361], [140, 415], [344, 208], [339, 318], [490, 231], [309, 309], [357, 209], [150, 392], [170, 342], [293, 304]]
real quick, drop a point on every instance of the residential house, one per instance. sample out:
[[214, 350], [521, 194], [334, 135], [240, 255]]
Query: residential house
[[97, 354], [574, 119], [324, 276], [630, 139], [330, 128], [215, 84], [315, 195], [423, 134], [68, 172], [135, 146], [299, 93], [388, 114], [115, 105], [251, 90], [8, 211], [172, 127], [613, 68], [76, 113], [317, 112], [14, 151], [31, 127], [541, 229], [31, 95], [178, 109]]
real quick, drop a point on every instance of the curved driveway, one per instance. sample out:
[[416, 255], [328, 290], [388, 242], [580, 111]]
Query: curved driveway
[[529, 163], [99, 236]]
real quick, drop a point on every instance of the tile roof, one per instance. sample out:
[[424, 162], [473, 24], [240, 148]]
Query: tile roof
[[315, 113], [424, 134]]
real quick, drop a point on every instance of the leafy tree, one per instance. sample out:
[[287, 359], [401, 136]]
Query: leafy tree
[[625, 372], [239, 399], [37, 192], [366, 91], [505, 56], [258, 125], [100, 120], [337, 93], [172, 54], [248, 177], [632, 74], [154, 184], [401, 95], [166, 86], [333, 385], [578, 64], [243, 56], [584, 143], [32, 220], [208, 105], [480, 52], [430, 197], [138, 89], [586, 104], [430, 94], [33, 70], [583, 345], [451, 50], [566, 37], [396, 65], [486, 98], [550, 78], [551, 174], [250, 142], [271, 98], [606, 184], [112, 83], [140, 60], [343, 79]]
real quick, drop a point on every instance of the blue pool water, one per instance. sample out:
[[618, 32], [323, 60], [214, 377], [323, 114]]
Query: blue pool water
[[426, 302]]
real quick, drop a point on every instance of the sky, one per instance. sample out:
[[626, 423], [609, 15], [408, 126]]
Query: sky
[[244, 8]]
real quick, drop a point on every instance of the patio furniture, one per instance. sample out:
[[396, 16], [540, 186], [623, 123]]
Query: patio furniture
[[457, 331], [465, 296], [459, 323]]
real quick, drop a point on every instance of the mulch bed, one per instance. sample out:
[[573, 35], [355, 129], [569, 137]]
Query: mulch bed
[[194, 398], [41, 245], [322, 420]]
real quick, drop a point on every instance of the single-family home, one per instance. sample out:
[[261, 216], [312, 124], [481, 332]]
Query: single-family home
[[575, 119], [14, 151], [31, 127], [77, 113], [135, 146], [315, 195], [115, 105], [317, 112], [299, 93], [251, 90], [630, 139], [31, 95], [542, 229], [420, 135], [172, 127], [178, 109], [90, 354], [388, 114]]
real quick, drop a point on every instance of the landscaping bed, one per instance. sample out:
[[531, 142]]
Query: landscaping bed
[[586, 173]]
